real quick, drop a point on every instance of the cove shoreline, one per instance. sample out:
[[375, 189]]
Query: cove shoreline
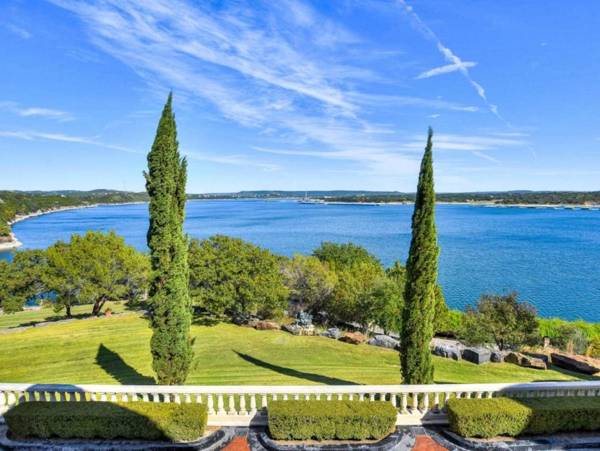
[[14, 243]]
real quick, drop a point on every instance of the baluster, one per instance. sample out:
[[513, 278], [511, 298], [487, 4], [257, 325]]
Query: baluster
[[425, 402], [187, 399], [285, 397], [220, 405], [12, 399], [199, 398], [232, 410], [328, 396], [145, 397], [340, 396], [415, 403], [350, 396], [243, 405], [371, 396], [382, 396], [252, 404], [124, 397], [209, 404], [103, 397], [307, 397], [436, 402], [177, 398], [155, 397], [263, 402], [394, 399], [404, 403], [113, 397], [361, 396]]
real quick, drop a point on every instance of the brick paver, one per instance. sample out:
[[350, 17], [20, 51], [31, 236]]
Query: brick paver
[[237, 444], [425, 443]]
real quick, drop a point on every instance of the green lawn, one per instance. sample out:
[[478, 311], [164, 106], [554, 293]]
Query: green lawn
[[116, 350], [30, 317]]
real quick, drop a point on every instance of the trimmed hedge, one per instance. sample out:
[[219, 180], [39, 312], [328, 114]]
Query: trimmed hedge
[[330, 420], [488, 418], [106, 420]]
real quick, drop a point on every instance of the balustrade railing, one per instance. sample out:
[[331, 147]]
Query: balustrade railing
[[244, 405]]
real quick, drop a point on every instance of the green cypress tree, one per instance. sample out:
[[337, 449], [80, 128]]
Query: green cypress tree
[[421, 277], [166, 177]]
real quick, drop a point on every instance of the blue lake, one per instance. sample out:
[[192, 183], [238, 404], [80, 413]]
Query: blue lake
[[551, 257]]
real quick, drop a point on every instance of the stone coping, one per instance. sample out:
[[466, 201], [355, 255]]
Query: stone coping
[[401, 439], [450, 440], [214, 441]]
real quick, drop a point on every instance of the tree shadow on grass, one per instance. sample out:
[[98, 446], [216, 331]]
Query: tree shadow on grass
[[294, 373], [51, 319], [125, 374]]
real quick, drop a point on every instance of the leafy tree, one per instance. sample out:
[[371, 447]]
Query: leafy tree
[[343, 256], [421, 276], [93, 269], [232, 277], [310, 282], [502, 320], [171, 316], [388, 298], [354, 298], [5, 280], [28, 270]]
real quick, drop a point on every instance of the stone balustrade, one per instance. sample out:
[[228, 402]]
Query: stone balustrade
[[245, 405]]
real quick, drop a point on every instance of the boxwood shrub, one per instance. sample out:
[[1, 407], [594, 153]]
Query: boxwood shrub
[[488, 418], [330, 420], [106, 420]]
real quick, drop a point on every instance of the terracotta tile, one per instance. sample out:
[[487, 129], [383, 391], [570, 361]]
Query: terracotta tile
[[424, 443], [237, 444]]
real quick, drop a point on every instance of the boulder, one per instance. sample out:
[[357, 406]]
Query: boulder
[[384, 341], [354, 338], [447, 351], [526, 361], [497, 356], [476, 355], [297, 329], [332, 332], [578, 363], [267, 325]]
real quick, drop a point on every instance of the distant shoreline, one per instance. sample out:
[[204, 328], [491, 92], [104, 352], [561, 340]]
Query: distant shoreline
[[14, 242]]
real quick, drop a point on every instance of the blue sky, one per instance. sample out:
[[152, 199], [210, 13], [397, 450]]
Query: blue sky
[[294, 94]]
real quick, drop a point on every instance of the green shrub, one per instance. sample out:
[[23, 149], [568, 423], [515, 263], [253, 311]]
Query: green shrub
[[593, 349], [504, 416], [105, 420], [331, 420]]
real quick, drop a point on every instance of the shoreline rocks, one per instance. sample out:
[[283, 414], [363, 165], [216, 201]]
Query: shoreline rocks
[[354, 338], [384, 341]]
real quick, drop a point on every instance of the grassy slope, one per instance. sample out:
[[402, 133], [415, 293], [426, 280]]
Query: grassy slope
[[116, 350], [30, 317]]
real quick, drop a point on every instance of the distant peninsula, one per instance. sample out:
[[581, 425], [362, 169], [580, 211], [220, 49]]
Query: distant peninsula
[[18, 205]]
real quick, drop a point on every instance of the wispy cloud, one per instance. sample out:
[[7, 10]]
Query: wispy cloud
[[234, 160], [448, 54], [45, 113], [19, 31], [29, 135], [447, 69]]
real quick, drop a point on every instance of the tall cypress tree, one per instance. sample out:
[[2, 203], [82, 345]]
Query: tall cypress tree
[[166, 177], [421, 277]]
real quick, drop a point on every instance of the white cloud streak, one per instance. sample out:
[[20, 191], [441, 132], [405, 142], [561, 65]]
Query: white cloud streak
[[45, 113], [448, 55], [447, 69]]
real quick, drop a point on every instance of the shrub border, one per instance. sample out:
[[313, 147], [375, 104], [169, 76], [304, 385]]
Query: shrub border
[[219, 437]]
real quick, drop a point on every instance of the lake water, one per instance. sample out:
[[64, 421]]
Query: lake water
[[551, 257]]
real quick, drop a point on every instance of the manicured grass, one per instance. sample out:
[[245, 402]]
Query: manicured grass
[[30, 317], [116, 350]]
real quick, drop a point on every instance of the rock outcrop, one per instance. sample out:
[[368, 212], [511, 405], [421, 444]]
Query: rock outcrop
[[526, 361], [354, 338], [476, 355], [578, 363], [332, 332], [384, 341], [267, 325], [297, 329]]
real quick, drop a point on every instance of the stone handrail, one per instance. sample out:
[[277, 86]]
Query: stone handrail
[[246, 404]]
